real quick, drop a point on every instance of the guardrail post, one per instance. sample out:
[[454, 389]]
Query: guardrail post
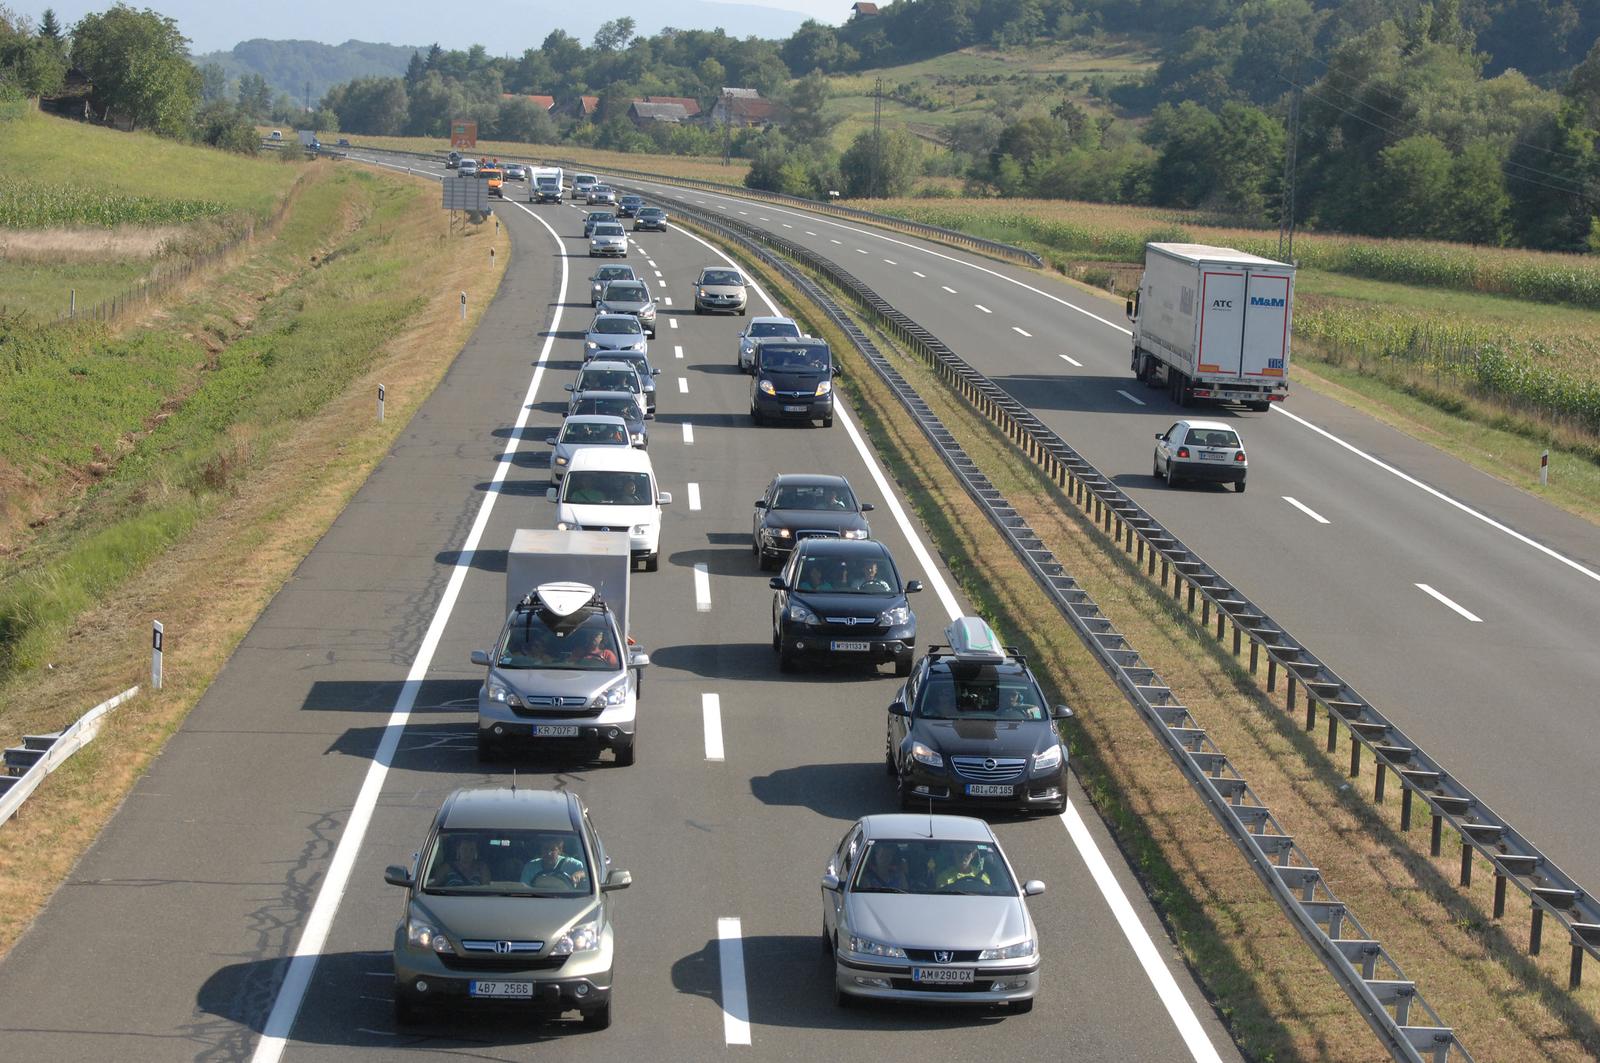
[[1191, 597], [1221, 622], [1405, 808], [1536, 932], [1272, 673], [1575, 973], [1438, 833], [1205, 612], [1377, 787], [1355, 754], [1333, 736], [1311, 714], [1289, 705], [1499, 895], [1237, 635], [1466, 863], [1255, 650]]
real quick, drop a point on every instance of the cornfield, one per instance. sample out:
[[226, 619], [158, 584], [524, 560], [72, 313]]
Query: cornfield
[[31, 206]]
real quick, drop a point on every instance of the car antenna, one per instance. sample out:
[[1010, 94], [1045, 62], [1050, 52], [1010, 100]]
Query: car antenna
[[930, 812], [513, 780]]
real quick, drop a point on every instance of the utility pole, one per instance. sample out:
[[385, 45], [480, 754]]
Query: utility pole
[[308, 95], [1286, 218], [877, 137], [727, 127]]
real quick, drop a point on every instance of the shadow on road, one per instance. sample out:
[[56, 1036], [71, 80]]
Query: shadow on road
[[380, 695], [844, 791]]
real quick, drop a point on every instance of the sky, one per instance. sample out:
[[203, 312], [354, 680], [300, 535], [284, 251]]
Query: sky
[[217, 25]]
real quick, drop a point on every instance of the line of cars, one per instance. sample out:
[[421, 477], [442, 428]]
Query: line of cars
[[507, 901]]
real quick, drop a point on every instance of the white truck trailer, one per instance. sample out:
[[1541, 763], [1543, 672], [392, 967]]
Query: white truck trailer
[[544, 185], [600, 559], [1212, 324]]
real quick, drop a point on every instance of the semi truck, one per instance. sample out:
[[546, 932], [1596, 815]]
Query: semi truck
[[544, 186], [563, 674], [1212, 324]]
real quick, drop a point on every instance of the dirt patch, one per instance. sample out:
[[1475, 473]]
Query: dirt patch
[[87, 245]]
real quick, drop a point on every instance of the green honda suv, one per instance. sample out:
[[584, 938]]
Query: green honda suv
[[506, 903]]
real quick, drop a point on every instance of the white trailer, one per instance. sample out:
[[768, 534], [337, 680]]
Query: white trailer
[[1213, 324], [544, 184], [600, 559]]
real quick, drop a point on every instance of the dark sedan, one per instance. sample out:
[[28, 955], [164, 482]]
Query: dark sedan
[[971, 726], [595, 217], [628, 206], [797, 506], [842, 599], [650, 218]]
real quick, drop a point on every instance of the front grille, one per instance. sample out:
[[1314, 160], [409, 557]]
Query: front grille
[[989, 769], [603, 527], [562, 707], [502, 948], [864, 625], [491, 962], [815, 533], [927, 956], [796, 396], [934, 987]]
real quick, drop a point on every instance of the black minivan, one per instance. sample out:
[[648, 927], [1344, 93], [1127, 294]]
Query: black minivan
[[792, 379]]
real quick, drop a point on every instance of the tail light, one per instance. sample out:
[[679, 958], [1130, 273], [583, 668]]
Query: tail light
[[1183, 452], [1239, 456]]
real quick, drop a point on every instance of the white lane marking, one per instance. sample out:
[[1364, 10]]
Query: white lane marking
[[985, 309], [711, 711], [667, 299], [746, 213], [688, 434], [702, 587], [652, 265], [672, 322], [1307, 510], [1166, 987], [657, 273], [786, 225], [1021, 331], [292, 991], [683, 385], [764, 218], [1441, 496], [890, 262], [677, 352], [1131, 398], [915, 273], [810, 233], [1071, 360], [694, 496], [735, 1003], [949, 289], [1447, 603], [831, 240], [862, 251]]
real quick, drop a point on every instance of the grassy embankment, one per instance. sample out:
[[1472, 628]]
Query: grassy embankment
[[180, 467], [1264, 982]]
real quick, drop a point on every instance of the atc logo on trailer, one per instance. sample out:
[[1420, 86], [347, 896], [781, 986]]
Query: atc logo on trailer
[[463, 134]]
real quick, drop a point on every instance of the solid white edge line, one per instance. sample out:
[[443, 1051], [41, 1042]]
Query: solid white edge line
[[702, 587], [693, 490], [1131, 398], [735, 999], [1447, 603], [711, 712], [1071, 360], [688, 434], [330, 893], [1441, 496], [1183, 1016], [1307, 510]]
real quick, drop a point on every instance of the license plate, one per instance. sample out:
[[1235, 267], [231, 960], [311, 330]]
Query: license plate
[[794, 409], [555, 730], [501, 990], [845, 646], [1213, 455], [989, 789], [942, 975]]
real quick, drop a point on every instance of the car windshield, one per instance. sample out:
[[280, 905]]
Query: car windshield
[[814, 496], [608, 487], [837, 575], [610, 273], [623, 408], [654, 212], [721, 276], [601, 216], [794, 358], [594, 432], [627, 293], [774, 328], [584, 641], [933, 866], [608, 380], [608, 228], [618, 326], [978, 694], [583, 179], [501, 862], [1212, 437]]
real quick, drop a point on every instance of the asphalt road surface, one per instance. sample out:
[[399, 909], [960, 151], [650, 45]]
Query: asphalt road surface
[[336, 729]]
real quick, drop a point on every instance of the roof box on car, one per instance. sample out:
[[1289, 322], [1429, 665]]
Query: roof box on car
[[971, 639]]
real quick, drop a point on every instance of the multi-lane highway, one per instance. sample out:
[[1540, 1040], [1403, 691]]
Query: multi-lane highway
[[1460, 606], [235, 905]]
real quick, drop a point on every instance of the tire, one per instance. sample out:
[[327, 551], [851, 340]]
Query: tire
[[888, 757], [1172, 475], [765, 563], [842, 1000], [908, 800], [827, 422], [741, 311], [653, 562], [1239, 487], [827, 941], [698, 309], [600, 1018], [626, 754], [777, 641], [1155, 467], [1020, 1007]]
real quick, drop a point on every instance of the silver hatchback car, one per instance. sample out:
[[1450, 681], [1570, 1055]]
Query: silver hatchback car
[[608, 238], [927, 909], [719, 288]]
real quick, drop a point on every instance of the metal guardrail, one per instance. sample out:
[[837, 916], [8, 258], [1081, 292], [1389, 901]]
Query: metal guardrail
[[1513, 858], [39, 755], [1390, 1002]]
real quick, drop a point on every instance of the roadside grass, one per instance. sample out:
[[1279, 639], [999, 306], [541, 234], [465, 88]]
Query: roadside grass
[[1275, 997], [44, 289], [220, 501]]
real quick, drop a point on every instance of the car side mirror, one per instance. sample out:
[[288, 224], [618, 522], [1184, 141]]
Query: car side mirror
[[481, 657], [913, 586], [1032, 888], [867, 507], [395, 875], [549, 441], [898, 708], [761, 503], [776, 583], [569, 387], [830, 882], [655, 372], [1130, 309], [1063, 712], [638, 659], [663, 498], [619, 879], [1160, 436], [550, 494]]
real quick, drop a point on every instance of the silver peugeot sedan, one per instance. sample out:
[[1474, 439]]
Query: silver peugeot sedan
[[927, 909], [608, 238]]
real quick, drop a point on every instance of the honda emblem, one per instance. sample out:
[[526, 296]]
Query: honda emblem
[[502, 948]]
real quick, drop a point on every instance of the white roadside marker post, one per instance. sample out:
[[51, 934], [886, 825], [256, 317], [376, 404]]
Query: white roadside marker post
[[1544, 469], [380, 403], [463, 306], [156, 635]]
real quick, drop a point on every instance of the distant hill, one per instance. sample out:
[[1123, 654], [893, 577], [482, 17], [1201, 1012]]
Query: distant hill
[[288, 65]]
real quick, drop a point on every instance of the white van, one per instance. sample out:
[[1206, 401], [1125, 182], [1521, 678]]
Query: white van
[[613, 489]]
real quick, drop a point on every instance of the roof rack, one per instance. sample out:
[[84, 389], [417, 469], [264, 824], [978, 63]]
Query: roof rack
[[562, 598]]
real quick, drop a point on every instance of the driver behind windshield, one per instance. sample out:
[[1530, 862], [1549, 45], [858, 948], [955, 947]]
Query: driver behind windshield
[[554, 866]]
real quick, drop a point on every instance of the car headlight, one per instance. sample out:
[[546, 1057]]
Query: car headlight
[[638, 439], [925, 754], [868, 947], [701, 292], [613, 695], [641, 529], [421, 935], [591, 345], [585, 937], [900, 614], [1049, 758], [766, 388], [636, 345], [1020, 950], [649, 312], [566, 525], [854, 533], [560, 460], [824, 388], [799, 613], [498, 692], [781, 533]]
